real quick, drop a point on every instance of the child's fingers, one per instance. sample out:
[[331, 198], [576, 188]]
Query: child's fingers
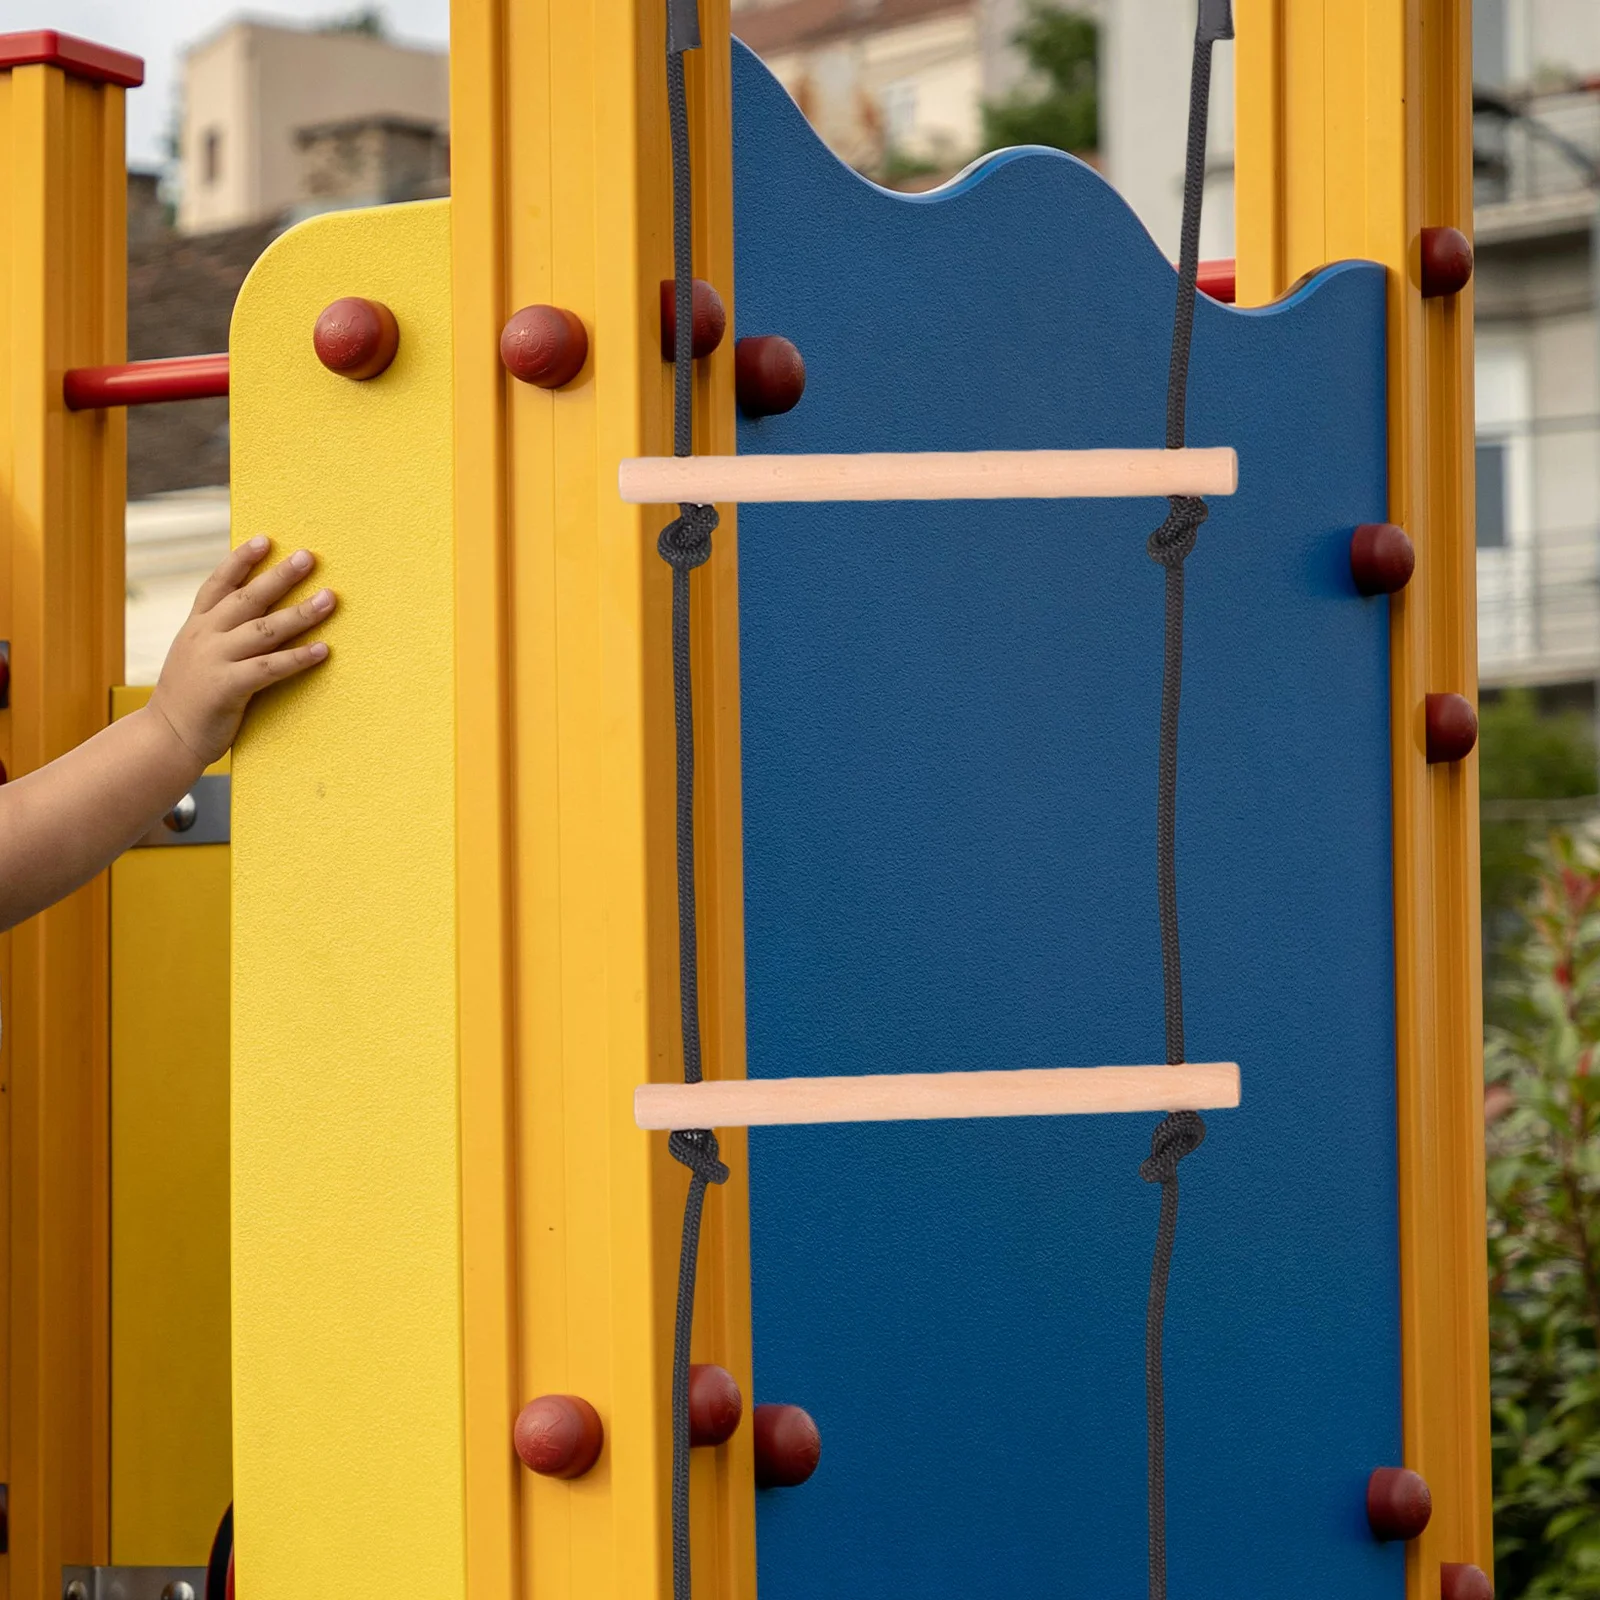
[[235, 567], [265, 590], [281, 664], [278, 627]]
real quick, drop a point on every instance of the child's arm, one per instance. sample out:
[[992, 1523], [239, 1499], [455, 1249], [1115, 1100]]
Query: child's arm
[[61, 825]]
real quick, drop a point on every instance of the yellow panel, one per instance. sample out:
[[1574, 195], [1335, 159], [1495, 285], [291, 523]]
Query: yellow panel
[[63, 302], [567, 908], [346, 1237], [1354, 134], [171, 1470]]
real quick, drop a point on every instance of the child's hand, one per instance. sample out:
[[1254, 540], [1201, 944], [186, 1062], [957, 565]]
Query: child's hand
[[233, 644]]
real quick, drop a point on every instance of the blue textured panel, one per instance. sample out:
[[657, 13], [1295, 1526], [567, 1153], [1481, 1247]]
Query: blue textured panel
[[949, 730]]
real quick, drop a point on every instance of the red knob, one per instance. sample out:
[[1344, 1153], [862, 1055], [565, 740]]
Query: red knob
[[715, 1405], [1452, 727], [356, 338], [1382, 558], [1446, 262], [558, 1435], [5, 677], [1459, 1580], [787, 1444], [769, 375], [710, 320], [544, 345], [1398, 1503]]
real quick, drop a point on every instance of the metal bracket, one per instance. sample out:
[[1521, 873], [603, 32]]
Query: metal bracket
[[201, 817], [133, 1583]]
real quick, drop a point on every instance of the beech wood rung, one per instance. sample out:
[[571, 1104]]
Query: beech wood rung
[[921, 1096], [930, 475]]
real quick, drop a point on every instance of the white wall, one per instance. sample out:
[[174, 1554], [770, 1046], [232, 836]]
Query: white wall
[[256, 85]]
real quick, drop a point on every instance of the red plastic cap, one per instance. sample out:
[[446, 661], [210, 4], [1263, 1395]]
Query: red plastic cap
[[1382, 558], [715, 1405], [356, 338], [1219, 280], [558, 1436], [1398, 1503], [1452, 727], [1446, 262], [709, 325], [769, 375], [81, 58], [1460, 1580], [787, 1445], [544, 345]]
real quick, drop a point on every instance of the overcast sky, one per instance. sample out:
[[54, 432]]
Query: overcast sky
[[160, 30]]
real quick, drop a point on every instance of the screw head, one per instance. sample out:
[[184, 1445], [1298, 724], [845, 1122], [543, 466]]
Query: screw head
[[181, 818], [558, 1435], [715, 1405], [1398, 1503], [788, 1446], [178, 1589], [769, 375], [544, 345], [1446, 262], [1382, 558], [356, 338], [76, 1590]]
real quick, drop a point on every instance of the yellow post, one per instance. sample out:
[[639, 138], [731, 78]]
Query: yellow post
[[567, 905], [1354, 132], [63, 299]]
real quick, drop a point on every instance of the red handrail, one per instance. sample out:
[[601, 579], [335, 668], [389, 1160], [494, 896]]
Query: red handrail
[[1217, 279], [146, 383]]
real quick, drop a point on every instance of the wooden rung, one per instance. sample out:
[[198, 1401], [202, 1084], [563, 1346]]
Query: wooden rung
[[919, 1096], [953, 475]]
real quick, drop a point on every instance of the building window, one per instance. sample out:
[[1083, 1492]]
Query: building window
[[1492, 508], [211, 159], [1489, 40], [899, 112]]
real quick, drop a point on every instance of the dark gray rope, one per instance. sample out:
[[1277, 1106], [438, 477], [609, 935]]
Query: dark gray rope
[[685, 544], [1180, 1133]]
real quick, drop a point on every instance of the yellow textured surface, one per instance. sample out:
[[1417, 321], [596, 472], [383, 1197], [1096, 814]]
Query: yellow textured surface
[[1354, 133], [346, 1241], [171, 1467]]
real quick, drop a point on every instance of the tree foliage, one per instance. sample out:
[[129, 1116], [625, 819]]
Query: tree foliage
[[1060, 107], [1543, 1102]]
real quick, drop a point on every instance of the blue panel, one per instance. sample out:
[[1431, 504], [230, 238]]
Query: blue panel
[[949, 732]]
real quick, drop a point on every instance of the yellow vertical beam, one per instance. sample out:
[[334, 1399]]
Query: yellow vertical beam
[[1354, 134], [566, 782], [347, 1269], [62, 303]]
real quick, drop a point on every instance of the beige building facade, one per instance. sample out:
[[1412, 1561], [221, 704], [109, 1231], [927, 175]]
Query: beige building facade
[[251, 88]]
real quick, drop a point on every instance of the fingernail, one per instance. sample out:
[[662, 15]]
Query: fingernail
[[319, 652], [258, 544], [322, 600], [300, 560]]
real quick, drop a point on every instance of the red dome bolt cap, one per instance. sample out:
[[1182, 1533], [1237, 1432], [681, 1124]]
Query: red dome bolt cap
[[1452, 727], [769, 375], [710, 320], [544, 345], [788, 1446], [558, 1436], [356, 338], [715, 1405], [1460, 1580], [1398, 1503], [1446, 262], [1382, 558]]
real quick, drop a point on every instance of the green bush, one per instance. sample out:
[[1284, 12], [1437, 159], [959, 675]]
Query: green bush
[[1063, 109], [1543, 1102]]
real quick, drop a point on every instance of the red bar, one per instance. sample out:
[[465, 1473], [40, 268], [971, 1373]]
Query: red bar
[[146, 383], [1217, 279], [81, 58]]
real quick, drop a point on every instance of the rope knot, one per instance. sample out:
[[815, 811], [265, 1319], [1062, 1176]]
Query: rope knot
[[697, 1149], [1178, 1134], [685, 542], [1173, 541]]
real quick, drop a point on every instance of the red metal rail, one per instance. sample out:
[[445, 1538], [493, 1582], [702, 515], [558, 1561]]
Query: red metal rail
[[1217, 280], [146, 383]]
